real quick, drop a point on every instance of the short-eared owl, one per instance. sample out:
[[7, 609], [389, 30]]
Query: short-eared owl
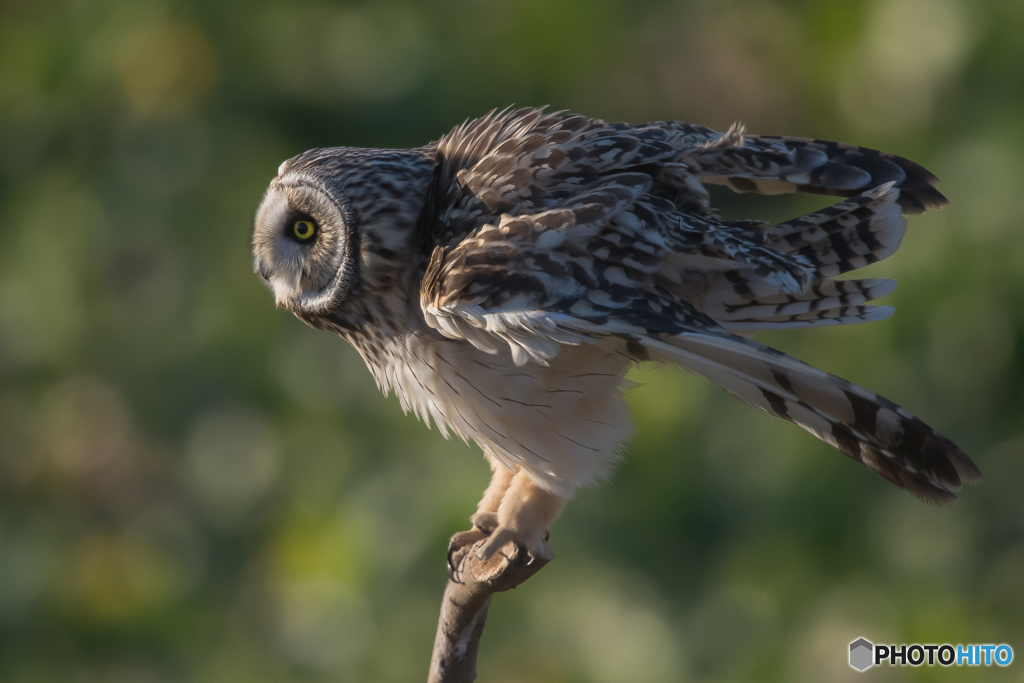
[[502, 280]]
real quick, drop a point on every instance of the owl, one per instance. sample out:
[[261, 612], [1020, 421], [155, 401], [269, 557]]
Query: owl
[[502, 280]]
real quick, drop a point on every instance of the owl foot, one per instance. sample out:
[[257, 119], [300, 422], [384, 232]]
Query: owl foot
[[535, 544], [522, 513], [523, 517]]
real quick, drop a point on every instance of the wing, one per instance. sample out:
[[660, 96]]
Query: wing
[[579, 245], [843, 237], [523, 162], [494, 294], [862, 425], [510, 282], [772, 164]]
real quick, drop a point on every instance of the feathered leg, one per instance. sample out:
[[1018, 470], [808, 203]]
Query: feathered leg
[[513, 509], [485, 521], [486, 516], [525, 512]]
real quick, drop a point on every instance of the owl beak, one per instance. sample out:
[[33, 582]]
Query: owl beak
[[262, 269], [264, 272]]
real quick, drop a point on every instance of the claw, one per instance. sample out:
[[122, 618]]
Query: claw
[[458, 542], [484, 523]]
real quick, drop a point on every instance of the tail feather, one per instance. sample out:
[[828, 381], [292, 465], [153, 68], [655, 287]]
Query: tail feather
[[771, 164], [861, 424]]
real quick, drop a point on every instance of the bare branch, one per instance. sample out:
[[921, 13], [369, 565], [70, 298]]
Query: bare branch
[[467, 596]]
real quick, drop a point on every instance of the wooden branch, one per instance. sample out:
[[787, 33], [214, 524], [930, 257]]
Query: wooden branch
[[467, 596]]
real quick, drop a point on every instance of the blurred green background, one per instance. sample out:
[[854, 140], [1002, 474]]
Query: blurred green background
[[195, 486]]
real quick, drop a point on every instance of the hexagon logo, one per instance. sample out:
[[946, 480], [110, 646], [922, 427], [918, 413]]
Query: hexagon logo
[[861, 654]]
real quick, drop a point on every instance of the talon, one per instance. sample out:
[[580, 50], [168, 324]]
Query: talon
[[484, 523], [459, 541], [514, 511]]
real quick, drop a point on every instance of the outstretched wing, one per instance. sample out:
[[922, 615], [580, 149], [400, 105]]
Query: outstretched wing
[[840, 238], [772, 164], [862, 425], [507, 281], [563, 236], [523, 162], [498, 295]]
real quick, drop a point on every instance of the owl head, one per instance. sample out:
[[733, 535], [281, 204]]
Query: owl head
[[305, 242], [335, 224]]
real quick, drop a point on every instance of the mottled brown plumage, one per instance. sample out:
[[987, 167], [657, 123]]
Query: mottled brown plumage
[[502, 280]]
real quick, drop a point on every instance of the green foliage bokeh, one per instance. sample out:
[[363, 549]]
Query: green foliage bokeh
[[196, 487]]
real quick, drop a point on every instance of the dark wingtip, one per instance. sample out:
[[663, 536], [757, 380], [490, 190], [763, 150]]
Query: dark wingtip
[[924, 462], [940, 498], [918, 191], [917, 197], [926, 490], [965, 467], [949, 466], [940, 486]]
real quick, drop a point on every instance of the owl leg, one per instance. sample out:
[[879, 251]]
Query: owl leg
[[486, 517], [523, 517], [485, 521]]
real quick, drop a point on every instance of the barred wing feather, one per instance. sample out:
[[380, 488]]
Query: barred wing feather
[[550, 230]]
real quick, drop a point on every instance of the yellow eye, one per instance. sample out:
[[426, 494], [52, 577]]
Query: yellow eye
[[303, 230]]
